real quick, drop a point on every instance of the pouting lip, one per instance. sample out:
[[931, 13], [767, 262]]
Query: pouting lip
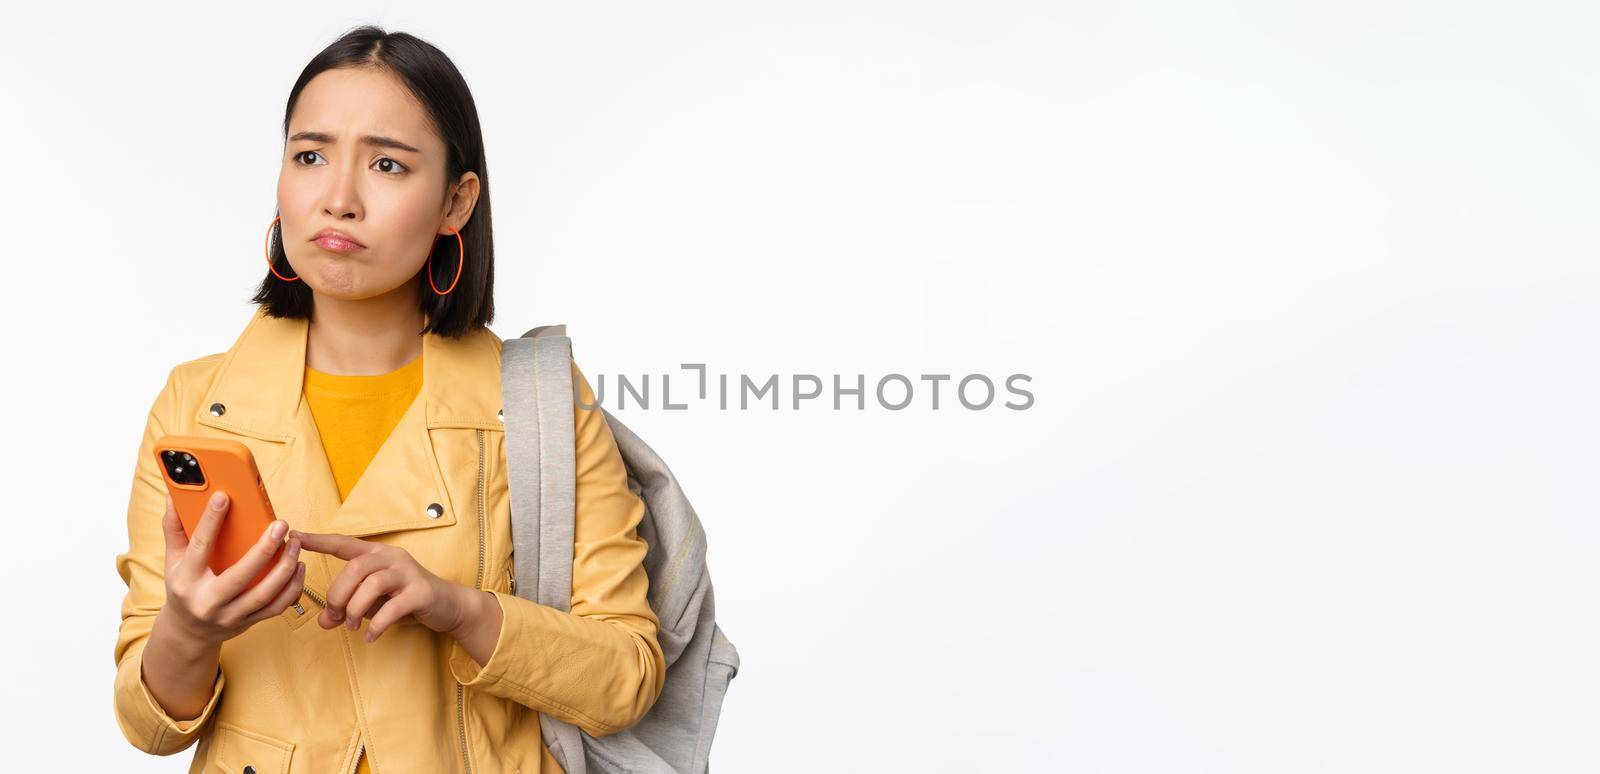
[[336, 233]]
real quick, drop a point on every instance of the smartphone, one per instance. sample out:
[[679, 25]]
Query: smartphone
[[195, 468]]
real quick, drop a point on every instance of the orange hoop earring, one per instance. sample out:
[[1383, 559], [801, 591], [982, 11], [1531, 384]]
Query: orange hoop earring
[[267, 246], [461, 262]]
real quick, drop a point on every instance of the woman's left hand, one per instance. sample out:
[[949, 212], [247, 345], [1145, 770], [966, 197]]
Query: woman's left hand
[[387, 584]]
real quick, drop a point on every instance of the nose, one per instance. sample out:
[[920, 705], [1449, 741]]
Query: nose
[[342, 200]]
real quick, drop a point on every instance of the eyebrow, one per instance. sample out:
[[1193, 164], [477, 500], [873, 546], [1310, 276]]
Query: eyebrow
[[370, 139]]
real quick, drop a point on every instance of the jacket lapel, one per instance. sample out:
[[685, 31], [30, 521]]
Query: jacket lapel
[[258, 394]]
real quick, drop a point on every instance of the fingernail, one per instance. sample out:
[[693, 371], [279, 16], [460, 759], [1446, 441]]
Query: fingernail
[[219, 499], [336, 615], [278, 528]]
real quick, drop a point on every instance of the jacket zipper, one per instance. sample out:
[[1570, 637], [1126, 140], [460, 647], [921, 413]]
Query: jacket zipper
[[481, 516], [461, 704], [315, 597], [461, 717]]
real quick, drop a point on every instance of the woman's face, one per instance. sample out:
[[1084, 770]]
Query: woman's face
[[363, 159]]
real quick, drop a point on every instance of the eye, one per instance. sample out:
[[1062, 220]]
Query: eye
[[398, 167], [297, 156]]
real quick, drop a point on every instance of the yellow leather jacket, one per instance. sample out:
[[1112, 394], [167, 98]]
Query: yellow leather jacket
[[293, 697]]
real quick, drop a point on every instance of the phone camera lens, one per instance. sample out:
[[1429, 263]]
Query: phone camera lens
[[183, 467]]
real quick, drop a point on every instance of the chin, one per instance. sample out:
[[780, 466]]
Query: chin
[[338, 279]]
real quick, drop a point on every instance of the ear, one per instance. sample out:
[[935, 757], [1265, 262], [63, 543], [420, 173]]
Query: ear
[[461, 200]]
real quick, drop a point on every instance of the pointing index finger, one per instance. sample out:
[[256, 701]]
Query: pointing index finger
[[342, 546]]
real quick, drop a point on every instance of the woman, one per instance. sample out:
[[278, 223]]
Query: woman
[[367, 386]]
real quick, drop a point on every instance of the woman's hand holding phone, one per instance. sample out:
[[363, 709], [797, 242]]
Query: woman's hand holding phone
[[203, 609], [209, 609]]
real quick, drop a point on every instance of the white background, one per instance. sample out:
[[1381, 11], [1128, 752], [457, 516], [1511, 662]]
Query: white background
[[1307, 292]]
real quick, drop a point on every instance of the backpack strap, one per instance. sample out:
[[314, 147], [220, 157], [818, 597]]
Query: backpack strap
[[536, 387]]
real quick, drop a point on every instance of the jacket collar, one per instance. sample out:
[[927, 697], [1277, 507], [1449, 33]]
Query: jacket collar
[[258, 393], [260, 380]]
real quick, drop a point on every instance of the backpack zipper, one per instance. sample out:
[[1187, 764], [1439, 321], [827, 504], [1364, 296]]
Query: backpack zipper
[[461, 703]]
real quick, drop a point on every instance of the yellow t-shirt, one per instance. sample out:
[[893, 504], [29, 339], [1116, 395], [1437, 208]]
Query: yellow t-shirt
[[354, 416]]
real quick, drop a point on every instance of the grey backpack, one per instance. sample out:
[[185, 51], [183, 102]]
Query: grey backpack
[[674, 737]]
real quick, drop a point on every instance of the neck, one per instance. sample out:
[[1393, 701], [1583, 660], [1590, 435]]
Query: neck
[[364, 336]]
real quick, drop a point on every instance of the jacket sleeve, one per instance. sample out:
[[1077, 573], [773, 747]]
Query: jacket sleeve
[[143, 568], [600, 666]]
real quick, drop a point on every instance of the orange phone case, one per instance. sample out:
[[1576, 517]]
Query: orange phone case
[[228, 466]]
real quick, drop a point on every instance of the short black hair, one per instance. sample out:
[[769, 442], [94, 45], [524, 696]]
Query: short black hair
[[436, 83]]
